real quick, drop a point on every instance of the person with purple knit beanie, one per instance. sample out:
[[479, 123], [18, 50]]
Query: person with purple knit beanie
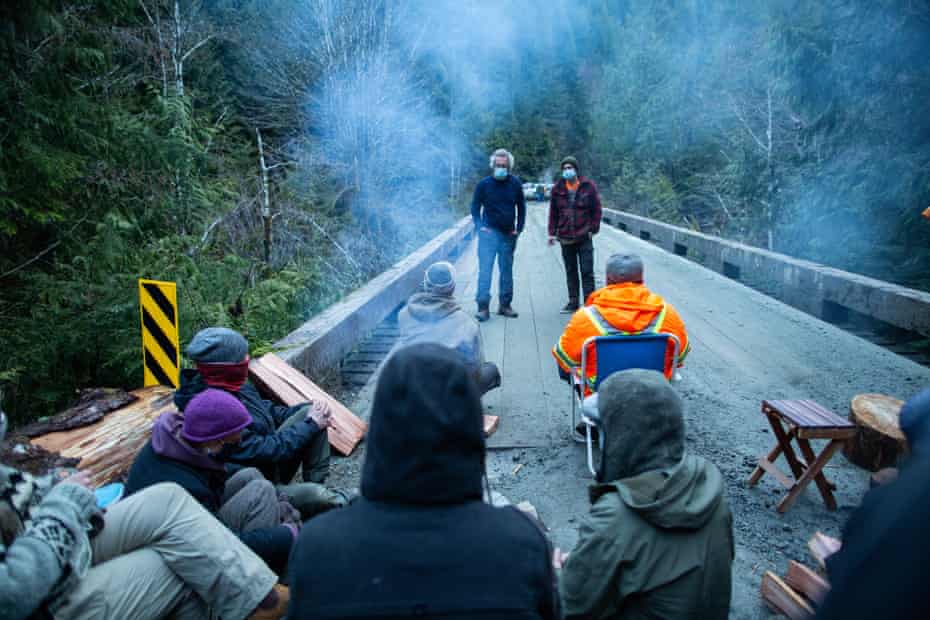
[[187, 448]]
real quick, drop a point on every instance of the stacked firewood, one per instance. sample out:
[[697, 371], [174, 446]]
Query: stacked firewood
[[801, 590]]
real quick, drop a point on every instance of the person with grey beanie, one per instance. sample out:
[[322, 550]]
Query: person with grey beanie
[[434, 315], [658, 541], [280, 441], [62, 557]]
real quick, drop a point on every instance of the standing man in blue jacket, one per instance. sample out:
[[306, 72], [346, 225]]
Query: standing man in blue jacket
[[499, 212]]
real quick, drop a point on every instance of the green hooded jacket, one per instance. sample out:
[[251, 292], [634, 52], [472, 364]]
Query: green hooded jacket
[[658, 542]]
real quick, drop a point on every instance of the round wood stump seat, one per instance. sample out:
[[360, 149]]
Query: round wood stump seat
[[879, 442]]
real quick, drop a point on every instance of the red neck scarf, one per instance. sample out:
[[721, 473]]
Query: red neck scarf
[[226, 376]]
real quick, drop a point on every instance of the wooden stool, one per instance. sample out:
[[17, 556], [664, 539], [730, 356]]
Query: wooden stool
[[804, 420]]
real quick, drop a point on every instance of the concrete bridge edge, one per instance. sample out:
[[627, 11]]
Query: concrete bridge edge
[[813, 288]]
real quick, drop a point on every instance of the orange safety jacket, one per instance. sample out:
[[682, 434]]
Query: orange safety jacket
[[627, 308]]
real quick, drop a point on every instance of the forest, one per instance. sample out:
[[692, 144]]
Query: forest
[[272, 155]]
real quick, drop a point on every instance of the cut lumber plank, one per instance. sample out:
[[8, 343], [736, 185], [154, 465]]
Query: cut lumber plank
[[107, 448], [289, 386], [779, 596], [807, 582], [821, 547], [491, 423], [878, 442]]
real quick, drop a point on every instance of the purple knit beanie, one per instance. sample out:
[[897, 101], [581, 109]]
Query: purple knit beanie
[[213, 414]]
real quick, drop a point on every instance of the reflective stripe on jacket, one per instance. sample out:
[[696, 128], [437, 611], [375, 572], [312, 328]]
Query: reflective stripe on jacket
[[628, 308]]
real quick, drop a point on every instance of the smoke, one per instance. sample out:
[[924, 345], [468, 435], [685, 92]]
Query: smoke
[[411, 96], [800, 119], [671, 105]]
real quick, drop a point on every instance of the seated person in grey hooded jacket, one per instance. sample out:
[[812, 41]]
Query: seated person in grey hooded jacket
[[658, 541], [155, 554], [433, 315]]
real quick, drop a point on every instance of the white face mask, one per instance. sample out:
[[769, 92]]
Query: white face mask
[[500, 173], [569, 174]]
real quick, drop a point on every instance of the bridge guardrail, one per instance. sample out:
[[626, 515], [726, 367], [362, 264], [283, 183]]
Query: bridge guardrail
[[324, 340], [819, 290]]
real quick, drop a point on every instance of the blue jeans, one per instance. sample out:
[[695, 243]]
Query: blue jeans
[[492, 244]]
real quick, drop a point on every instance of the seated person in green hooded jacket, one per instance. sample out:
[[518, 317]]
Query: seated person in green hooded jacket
[[658, 542]]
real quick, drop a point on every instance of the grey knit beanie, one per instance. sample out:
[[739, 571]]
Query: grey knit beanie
[[439, 278], [217, 345]]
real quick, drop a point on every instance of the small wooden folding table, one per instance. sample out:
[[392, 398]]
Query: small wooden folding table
[[800, 421]]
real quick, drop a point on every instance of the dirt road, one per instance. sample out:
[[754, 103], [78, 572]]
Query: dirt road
[[746, 347]]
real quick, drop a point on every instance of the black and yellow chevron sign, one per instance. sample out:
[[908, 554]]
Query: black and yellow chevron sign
[[158, 308]]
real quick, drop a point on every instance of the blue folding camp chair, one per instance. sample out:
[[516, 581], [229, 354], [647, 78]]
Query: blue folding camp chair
[[614, 353]]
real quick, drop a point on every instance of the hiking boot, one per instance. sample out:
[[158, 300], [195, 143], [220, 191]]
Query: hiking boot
[[482, 314], [508, 312], [278, 610], [570, 307]]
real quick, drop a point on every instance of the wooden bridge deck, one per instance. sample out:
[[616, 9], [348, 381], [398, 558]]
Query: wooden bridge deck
[[746, 347]]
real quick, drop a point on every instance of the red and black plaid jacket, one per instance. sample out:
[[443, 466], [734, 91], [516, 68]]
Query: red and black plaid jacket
[[574, 221]]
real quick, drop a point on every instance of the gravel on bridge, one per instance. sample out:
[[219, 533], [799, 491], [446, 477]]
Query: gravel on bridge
[[745, 347]]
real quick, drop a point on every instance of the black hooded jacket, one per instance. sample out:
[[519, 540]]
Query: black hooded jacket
[[420, 541], [883, 567], [263, 446]]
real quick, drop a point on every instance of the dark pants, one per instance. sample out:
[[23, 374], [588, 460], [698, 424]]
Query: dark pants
[[493, 244], [313, 462], [579, 257]]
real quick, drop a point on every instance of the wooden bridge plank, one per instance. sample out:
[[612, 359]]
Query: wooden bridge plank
[[291, 387]]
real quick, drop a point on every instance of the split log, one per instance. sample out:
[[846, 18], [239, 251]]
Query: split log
[[108, 447], [821, 547], [781, 598], [289, 386], [22, 455], [491, 422], [92, 405], [807, 582], [879, 442]]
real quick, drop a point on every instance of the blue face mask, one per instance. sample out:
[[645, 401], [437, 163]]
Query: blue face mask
[[569, 174], [500, 173]]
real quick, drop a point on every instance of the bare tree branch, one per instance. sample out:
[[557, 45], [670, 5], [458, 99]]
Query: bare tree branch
[[38, 256], [197, 46]]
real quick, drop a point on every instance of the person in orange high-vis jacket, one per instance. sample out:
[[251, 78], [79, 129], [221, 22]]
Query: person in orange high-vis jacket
[[624, 306]]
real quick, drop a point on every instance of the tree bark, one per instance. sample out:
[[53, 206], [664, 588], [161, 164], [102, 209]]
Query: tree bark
[[266, 200]]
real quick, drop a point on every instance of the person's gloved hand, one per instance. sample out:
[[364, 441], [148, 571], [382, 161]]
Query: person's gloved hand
[[321, 414]]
